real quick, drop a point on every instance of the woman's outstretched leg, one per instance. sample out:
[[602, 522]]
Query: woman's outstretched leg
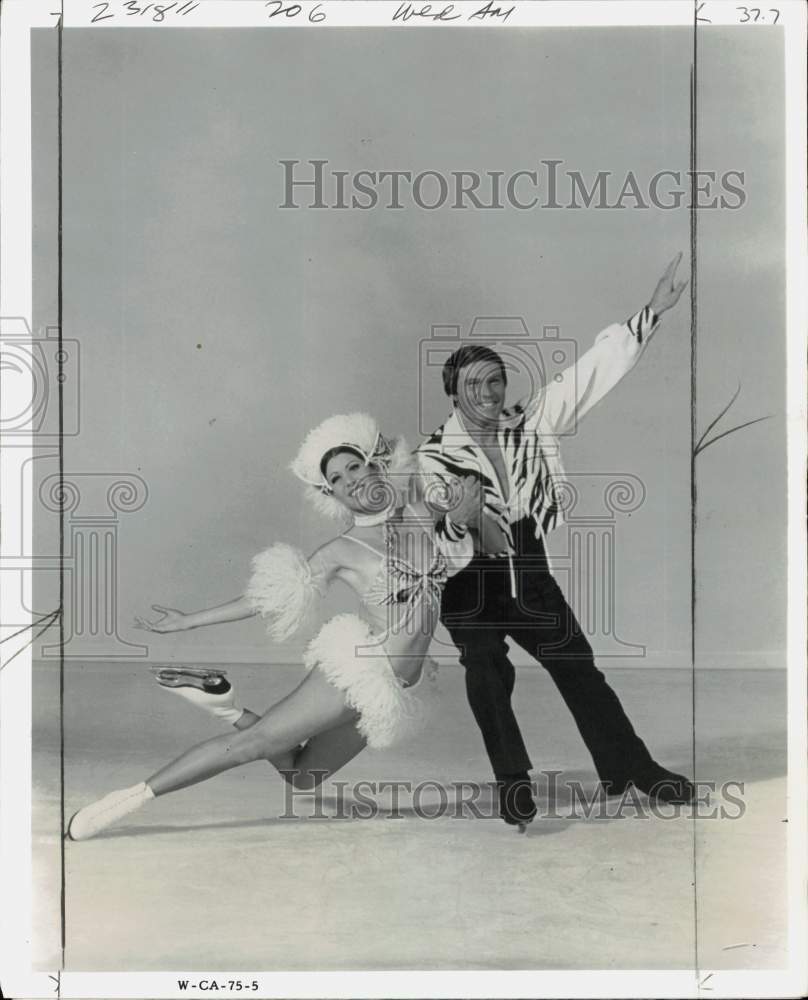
[[304, 766], [208, 689], [313, 707], [322, 756], [307, 765]]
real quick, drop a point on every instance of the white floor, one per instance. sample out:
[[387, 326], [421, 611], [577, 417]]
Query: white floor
[[212, 878]]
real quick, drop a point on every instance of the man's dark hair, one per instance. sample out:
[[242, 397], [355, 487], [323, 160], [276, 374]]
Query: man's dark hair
[[468, 354]]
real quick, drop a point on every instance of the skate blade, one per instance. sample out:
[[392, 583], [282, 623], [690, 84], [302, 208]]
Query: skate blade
[[178, 671]]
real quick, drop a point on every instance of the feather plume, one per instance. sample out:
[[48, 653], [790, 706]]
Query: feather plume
[[354, 660], [283, 589]]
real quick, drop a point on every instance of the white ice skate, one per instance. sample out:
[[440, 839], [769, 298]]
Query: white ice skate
[[97, 816], [205, 687]]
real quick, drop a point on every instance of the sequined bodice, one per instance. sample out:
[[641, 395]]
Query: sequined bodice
[[398, 581]]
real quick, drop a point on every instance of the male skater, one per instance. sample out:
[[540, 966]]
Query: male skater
[[503, 466]]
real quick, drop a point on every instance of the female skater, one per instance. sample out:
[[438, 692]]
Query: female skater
[[363, 686]]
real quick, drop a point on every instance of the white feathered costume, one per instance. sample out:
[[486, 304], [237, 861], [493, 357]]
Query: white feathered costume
[[285, 587]]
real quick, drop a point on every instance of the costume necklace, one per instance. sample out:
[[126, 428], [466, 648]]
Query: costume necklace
[[371, 520]]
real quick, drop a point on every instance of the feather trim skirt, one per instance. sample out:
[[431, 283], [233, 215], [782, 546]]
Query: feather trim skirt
[[352, 657]]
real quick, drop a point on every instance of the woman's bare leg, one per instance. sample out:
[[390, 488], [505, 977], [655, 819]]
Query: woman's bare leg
[[302, 766], [323, 755], [313, 707], [308, 766]]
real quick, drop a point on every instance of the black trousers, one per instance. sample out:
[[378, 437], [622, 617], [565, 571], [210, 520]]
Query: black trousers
[[479, 612]]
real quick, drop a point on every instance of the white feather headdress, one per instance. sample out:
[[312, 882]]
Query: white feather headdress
[[358, 431]]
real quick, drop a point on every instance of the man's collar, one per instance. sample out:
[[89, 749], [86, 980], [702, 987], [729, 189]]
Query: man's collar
[[455, 434]]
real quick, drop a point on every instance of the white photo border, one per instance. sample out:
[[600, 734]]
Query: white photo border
[[19, 17]]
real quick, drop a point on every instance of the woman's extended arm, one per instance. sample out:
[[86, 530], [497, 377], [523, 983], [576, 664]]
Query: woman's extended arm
[[282, 588], [179, 621]]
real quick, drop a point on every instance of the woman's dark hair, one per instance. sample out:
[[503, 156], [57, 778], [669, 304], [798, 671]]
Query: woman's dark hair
[[464, 356], [337, 451]]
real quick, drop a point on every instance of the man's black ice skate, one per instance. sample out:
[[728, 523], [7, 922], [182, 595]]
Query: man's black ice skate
[[659, 784], [516, 804]]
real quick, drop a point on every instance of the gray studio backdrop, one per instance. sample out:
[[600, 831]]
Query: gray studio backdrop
[[216, 328]]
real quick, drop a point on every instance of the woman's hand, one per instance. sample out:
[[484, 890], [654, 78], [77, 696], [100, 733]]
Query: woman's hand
[[468, 508], [170, 620]]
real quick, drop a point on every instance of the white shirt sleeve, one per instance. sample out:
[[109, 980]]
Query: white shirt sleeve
[[616, 350], [452, 538]]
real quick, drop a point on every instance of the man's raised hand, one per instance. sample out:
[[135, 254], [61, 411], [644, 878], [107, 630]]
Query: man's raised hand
[[667, 292]]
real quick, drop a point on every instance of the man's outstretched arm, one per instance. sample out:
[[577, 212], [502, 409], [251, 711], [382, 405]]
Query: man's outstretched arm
[[615, 352]]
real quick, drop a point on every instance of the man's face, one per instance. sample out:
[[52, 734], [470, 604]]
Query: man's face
[[480, 393], [360, 487]]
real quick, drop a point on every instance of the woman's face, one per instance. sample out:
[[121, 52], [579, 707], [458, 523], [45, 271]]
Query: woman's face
[[360, 487]]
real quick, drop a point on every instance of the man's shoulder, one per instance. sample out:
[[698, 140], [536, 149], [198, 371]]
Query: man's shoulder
[[527, 415], [434, 440]]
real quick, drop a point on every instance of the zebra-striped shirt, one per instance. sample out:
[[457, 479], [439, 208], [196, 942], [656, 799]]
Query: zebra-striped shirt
[[528, 438]]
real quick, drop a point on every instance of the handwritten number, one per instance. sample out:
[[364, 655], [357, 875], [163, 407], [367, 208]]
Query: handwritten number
[[316, 15], [756, 14], [291, 11], [160, 11], [102, 14]]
